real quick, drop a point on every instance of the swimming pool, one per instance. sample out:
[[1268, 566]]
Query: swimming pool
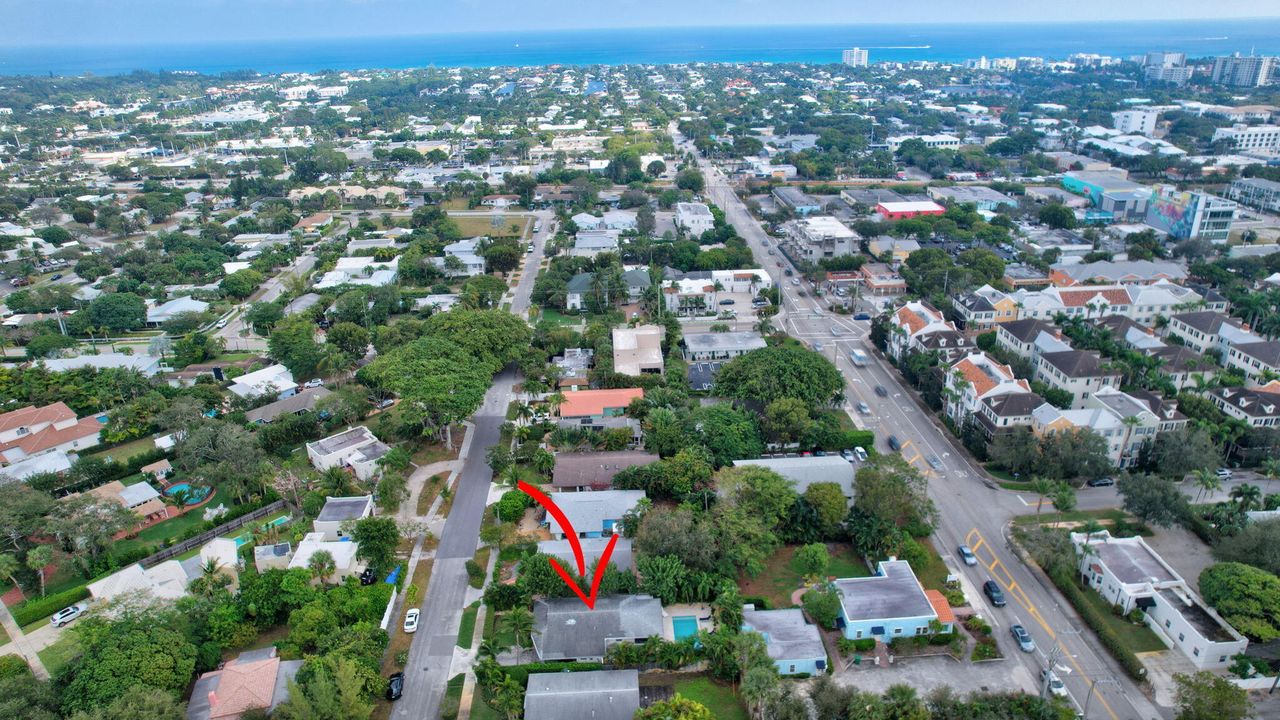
[[195, 496], [684, 626]]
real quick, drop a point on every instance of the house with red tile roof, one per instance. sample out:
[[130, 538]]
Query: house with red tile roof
[[32, 431], [600, 410], [975, 378], [256, 680], [913, 321]]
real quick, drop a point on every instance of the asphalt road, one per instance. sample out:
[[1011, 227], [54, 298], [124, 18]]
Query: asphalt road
[[971, 511], [430, 655]]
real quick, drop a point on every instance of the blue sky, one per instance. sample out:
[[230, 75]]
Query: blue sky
[[74, 22]]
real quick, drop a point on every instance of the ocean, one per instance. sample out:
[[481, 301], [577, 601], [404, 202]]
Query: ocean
[[815, 44]]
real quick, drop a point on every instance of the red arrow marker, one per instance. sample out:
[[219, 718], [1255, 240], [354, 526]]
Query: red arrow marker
[[572, 535]]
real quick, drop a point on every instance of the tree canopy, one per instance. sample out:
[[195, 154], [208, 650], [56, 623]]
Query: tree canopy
[[772, 373]]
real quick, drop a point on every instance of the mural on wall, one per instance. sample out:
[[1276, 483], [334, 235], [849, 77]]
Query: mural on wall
[[1174, 212]]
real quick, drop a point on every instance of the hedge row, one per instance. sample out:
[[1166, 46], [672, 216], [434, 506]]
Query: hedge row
[[1094, 619], [521, 673], [37, 609]]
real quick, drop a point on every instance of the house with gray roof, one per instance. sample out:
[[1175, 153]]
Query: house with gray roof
[[160, 314], [577, 289], [805, 470], [592, 549], [593, 514], [577, 471], [698, 347], [338, 510], [1079, 372], [304, 401], [598, 695], [890, 604], [794, 644], [566, 629]]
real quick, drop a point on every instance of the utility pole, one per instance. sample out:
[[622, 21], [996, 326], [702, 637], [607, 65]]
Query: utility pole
[[1051, 661]]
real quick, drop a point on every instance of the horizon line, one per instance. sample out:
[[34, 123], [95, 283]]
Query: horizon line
[[706, 26]]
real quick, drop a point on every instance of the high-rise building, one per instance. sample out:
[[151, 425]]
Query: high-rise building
[[856, 57], [1243, 71], [1170, 67]]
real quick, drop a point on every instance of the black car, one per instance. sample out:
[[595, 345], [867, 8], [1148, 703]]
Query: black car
[[881, 391], [395, 686], [993, 593], [1101, 482], [367, 577], [894, 443]]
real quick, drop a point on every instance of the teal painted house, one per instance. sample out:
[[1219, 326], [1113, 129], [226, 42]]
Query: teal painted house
[[890, 604], [794, 644]]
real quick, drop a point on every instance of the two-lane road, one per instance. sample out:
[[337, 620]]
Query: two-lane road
[[971, 510]]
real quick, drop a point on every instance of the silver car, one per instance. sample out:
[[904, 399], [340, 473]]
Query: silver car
[[68, 614]]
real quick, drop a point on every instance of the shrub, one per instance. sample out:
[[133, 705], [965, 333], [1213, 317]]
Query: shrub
[[759, 602], [512, 505], [864, 644], [1065, 581], [941, 638], [977, 625], [40, 608], [402, 658], [13, 666], [521, 673], [475, 574], [984, 651]]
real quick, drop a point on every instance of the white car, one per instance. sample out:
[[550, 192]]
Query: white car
[[411, 621], [1223, 474], [222, 324], [1056, 686], [67, 614], [313, 383]]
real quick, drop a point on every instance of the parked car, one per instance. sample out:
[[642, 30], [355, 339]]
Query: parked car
[[395, 686], [367, 577], [56, 276], [967, 555], [1025, 643], [847, 455], [835, 331], [860, 453], [726, 302], [994, 593], [1101, 482], [1224, 473], [935, 462], [817, 347], [313, 383], [788, 273], [222, 323], [68, 614], [894, 443], [411, 620], [794, 281], [1056, 686], [881, 391], [864, 408], [861, 316]]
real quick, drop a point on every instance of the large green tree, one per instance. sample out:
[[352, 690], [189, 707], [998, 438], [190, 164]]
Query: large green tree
[[494, 337], [118, 312], [783, 371], [1246, 597], [439, 382], [131, 648], [1153, 499], [1205, 696]]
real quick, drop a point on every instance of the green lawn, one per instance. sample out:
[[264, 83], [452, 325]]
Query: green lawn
[[4, 636], [1138, 638], [468, 627], [781, 576], [452, 695], [481, 711], [556, 318], [157, 533], [497, 631], [123, 452], [719, 699], [60, 653], [933, 575], [1107, 517]]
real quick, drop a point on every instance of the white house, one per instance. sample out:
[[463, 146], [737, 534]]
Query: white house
[[357, 448], [338, 510], [275, 380], [343, 552], [1128, 573], [148, 365], [160, 314], [694, 218]]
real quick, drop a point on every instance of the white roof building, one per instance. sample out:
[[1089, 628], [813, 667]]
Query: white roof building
[[274, 380]]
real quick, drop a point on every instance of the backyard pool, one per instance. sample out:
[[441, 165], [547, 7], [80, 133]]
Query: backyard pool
[[683, 626], [195, 496]]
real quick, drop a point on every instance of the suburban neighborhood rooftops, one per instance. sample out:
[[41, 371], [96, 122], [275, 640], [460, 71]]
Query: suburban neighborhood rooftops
[[564, 628], [594, 468], [1267, 352], [597, 694], [592, 549], [1014, 404], [305, 400], [338, 509], [788, 635], [586, 403], [588, 511], [1077, 363], [894, 593]]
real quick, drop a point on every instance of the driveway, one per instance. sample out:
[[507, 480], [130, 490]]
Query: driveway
[[929, 673]]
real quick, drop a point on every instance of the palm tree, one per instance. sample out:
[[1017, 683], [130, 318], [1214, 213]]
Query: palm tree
[[1246, 497], [1042, 487], [322, 565], [1207, 481], [9, 568], [178, 498], [520, 622], [524, 412], [38, 558], [487, 649], [759, 684], [555, 400], [1271, 469]]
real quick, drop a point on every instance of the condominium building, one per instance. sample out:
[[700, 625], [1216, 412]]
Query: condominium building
[[854, 57], [1256, 193], [1243, 71], [1250, 137]]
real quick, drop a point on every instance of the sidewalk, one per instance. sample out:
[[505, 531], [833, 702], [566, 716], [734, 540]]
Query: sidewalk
[[21, 644]]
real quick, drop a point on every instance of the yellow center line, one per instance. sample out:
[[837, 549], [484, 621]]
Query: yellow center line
[[1001, 575]]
